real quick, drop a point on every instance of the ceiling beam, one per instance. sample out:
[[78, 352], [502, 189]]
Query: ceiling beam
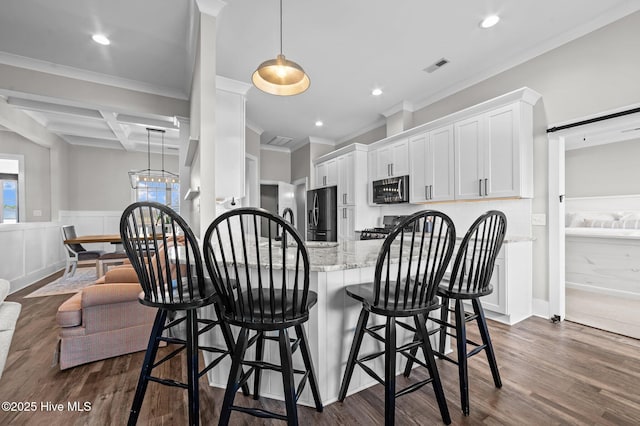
[[118, 130], [19, 122]]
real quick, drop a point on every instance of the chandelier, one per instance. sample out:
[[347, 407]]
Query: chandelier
[[141, 177]]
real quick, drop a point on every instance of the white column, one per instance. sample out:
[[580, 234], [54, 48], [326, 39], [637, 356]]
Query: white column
[[206, 100]]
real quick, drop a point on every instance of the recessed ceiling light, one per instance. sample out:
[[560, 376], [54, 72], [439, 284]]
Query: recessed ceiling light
[[319, 123], [376, 92], [101, 39], [490, 21]]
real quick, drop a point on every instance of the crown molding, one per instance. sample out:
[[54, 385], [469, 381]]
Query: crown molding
[[378, 123], [230, 85], [253, 126], [90, 76], [211, 7], [264, 147], [402, 106]]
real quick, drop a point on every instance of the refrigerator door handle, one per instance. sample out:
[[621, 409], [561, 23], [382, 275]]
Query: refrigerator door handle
[[315, 209]]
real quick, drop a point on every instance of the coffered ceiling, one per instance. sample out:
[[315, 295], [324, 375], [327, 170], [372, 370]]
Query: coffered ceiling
[[347, 47]]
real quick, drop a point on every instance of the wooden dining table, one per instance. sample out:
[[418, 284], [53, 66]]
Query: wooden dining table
[[86, 239]]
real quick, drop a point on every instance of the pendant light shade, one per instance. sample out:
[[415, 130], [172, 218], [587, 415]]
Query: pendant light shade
[[281, 76]]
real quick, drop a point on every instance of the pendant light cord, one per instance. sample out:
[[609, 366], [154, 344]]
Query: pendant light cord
[[148, 152], [281, 27]]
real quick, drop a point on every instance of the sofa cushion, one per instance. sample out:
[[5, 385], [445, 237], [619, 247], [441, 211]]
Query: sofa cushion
[[70, 312], [120, 274]]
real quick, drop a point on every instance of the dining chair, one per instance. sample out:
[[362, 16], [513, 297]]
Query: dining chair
[[76, 253], [469, 281], [410, 265], [264, 287], [169, 266]]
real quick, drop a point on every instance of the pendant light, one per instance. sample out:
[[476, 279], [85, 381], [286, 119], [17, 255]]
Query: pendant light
[[139, 178], [281, 76]]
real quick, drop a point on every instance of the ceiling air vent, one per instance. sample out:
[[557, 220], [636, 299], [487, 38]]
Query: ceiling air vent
[[279, 141], [437, 65]]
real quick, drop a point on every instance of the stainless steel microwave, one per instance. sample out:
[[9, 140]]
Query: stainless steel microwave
[[391, 190]]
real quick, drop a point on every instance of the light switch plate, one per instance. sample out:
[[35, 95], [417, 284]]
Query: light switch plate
[[539, 219]]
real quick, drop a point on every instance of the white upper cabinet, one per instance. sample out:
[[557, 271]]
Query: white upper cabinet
[[391, 160], [494, 154], [469, 165], [432, 165], [230, 144], [327, 173], [346, 179], [353, 211]]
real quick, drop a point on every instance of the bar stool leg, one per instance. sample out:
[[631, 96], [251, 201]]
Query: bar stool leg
[[147, 365], [444, 318], [461, 346], [433, 368], [308, 364], [192, 367], [287, 378], [234, 376], [353, 354], [228, 338], [257, 375], [486, 340], [390, 372]]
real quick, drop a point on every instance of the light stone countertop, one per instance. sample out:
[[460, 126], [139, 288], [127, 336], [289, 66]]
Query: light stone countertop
[[326, 257]]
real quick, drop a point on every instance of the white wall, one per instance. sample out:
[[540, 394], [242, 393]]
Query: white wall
[[612, 169], [29, 252]]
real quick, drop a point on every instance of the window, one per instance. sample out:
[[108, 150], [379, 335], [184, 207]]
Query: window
[[9, 190], [160, 192]]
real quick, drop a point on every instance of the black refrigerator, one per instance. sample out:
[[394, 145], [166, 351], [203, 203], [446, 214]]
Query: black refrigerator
[[322, 214]]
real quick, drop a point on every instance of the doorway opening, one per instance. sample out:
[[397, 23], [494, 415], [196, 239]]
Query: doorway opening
[[594, 235]]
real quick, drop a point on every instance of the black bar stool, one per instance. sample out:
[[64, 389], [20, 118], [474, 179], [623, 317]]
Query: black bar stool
[[165, 254], [410, 265], [271, 296], [469, 281]]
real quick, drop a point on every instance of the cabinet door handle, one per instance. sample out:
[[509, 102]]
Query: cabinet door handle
[[391, 169], [324, 180], [344, 213], [426, 192], [431, 192], [480, 187], [344, 198], [485, 187], [388, 169]]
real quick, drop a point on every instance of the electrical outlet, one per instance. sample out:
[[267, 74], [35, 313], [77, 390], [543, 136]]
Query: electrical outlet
[[37, 213], [539, 219]]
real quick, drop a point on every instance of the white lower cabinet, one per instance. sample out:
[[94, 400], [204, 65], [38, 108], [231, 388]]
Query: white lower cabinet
[[346, 223], [512, 281]]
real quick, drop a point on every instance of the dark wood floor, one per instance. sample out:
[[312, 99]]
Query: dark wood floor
[[552, 374]]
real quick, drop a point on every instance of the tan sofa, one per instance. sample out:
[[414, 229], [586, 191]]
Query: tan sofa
[[104, 320]]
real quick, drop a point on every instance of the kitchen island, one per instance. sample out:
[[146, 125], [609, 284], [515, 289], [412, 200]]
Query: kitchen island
[[333, 319]]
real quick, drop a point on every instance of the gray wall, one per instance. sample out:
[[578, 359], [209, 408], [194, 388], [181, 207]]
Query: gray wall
[[99, 179], [301, 162], [612, 169], [370, 136], [275, 165], [37, 174]]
